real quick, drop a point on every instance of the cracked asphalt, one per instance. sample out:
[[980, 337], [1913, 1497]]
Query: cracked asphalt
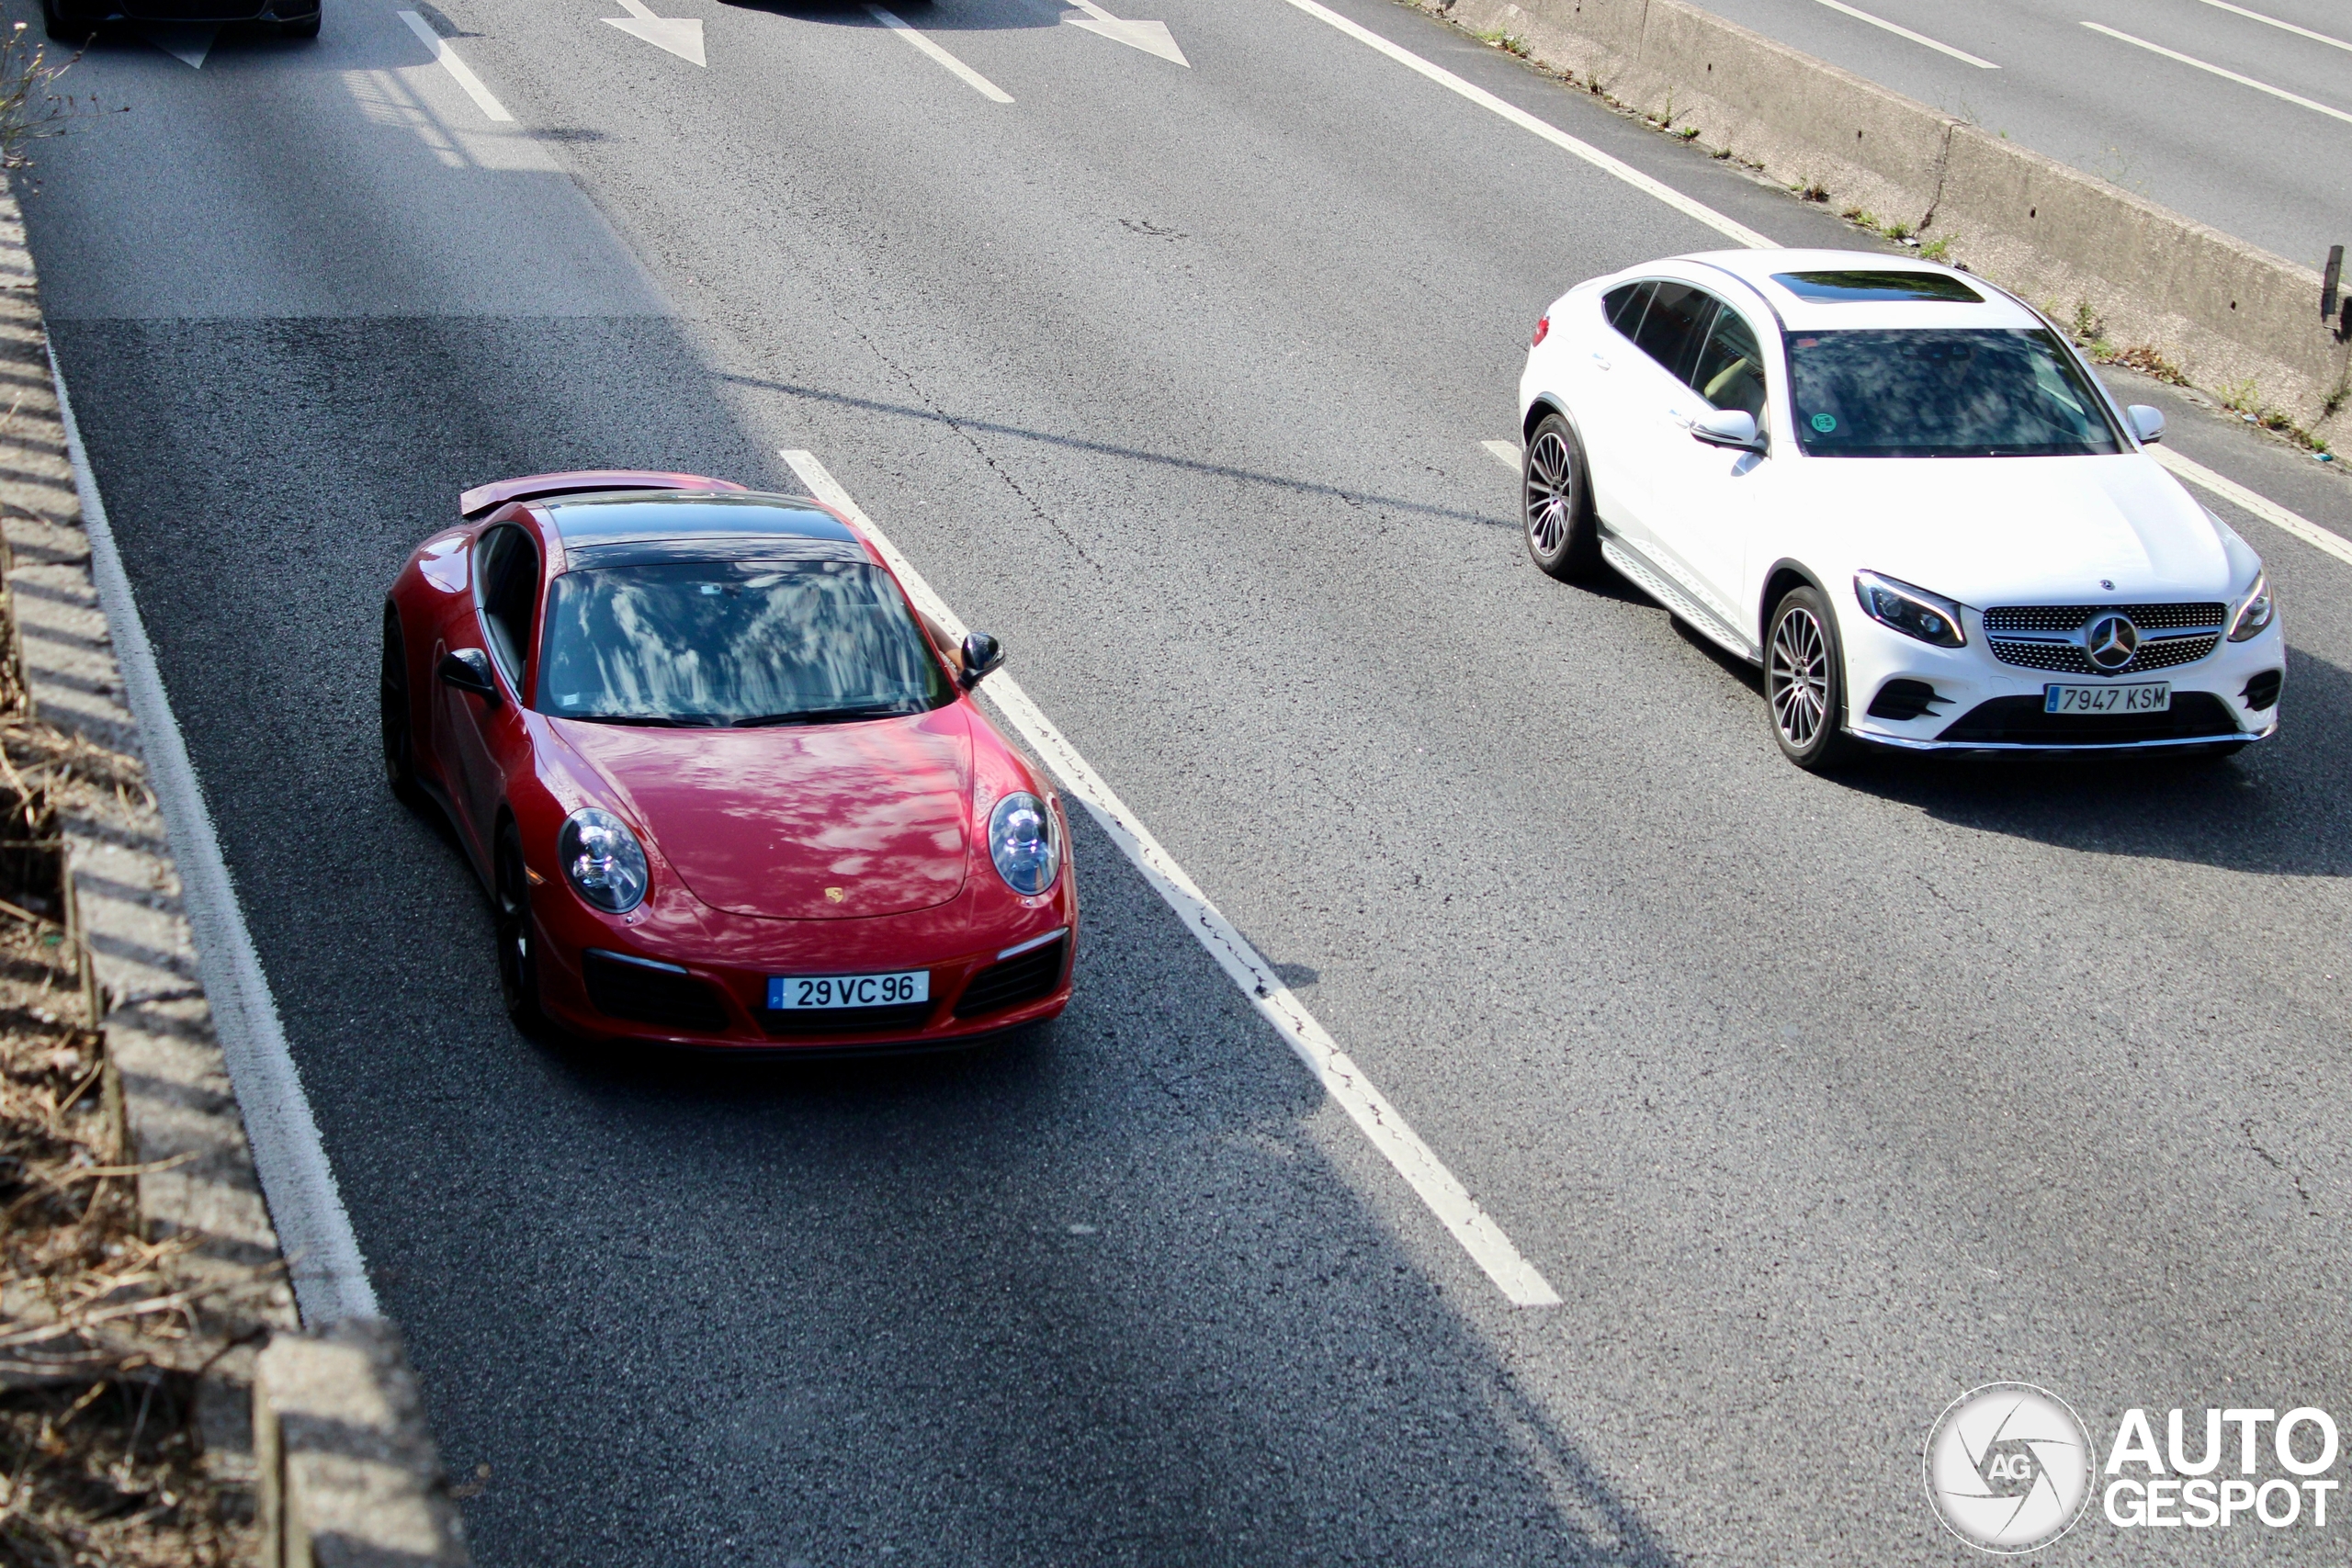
[[1818, 1100]]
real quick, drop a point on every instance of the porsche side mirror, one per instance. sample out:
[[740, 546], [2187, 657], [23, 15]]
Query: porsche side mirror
[[1727, 427], [468, 669], [2147, 424], [983, 655]]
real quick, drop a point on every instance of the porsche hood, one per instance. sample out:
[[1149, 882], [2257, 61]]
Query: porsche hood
[[799, 822]]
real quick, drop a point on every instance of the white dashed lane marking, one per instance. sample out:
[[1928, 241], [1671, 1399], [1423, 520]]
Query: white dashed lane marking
[[956, 67], [460, 72]]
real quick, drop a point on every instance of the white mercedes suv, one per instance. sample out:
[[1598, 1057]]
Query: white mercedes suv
[[1897, 490]]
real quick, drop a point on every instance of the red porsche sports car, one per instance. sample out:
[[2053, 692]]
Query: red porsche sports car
[[726, 785]]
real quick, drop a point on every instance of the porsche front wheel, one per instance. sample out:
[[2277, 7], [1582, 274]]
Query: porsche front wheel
[[1556, 503], [392, 704], [1804, 682], [518, 970]]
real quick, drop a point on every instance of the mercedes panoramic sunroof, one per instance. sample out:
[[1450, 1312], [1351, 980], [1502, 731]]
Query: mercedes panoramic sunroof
[[1871, 287]]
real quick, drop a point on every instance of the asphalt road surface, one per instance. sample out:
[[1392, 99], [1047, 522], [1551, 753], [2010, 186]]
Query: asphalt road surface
[[1818, 1100], [2236, 150]]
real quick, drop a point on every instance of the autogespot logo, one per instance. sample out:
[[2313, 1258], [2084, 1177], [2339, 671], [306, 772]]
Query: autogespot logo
[[2008, 1467]]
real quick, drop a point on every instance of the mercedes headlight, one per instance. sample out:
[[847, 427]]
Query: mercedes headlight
[[1914, 612], [2256, 611], [603, 859], [1022, 844]]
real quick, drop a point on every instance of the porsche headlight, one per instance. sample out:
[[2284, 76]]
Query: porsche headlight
[[1914, 612], [2256, 611], [1022, 844], [603, 859]]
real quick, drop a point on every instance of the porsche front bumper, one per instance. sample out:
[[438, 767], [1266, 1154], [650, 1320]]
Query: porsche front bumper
[[703, 980]]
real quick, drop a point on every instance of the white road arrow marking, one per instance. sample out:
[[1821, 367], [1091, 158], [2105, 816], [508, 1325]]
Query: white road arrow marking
[[1152, 38], [186, 45], [682, 36]]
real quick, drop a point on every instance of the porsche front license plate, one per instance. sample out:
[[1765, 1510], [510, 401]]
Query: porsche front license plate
[[2154, 697], [787, 992]]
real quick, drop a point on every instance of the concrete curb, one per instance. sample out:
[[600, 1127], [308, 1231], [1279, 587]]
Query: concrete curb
[[2231, 316], [169, 1086], [349, 1478]]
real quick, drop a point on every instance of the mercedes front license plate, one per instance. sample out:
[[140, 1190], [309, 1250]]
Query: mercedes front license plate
[[2154, 696], [787, 992]]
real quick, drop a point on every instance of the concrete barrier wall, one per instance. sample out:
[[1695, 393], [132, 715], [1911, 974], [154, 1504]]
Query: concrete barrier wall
[[2233, 317], [2228, 313]]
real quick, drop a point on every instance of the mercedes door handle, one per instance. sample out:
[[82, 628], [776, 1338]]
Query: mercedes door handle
[[1602, 362]]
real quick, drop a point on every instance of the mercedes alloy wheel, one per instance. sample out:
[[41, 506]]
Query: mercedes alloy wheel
[[1804, 682]]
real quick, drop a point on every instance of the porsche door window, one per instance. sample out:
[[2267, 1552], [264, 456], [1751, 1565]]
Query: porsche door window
[[1944, 392], [1675, 326], [719, 642], [508, 573], [1730, 372]]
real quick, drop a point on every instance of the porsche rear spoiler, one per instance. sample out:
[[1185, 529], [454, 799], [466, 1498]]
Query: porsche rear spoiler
[[482, 500]]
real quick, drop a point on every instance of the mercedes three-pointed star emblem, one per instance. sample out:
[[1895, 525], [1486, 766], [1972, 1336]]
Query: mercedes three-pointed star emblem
[[2112, 641]]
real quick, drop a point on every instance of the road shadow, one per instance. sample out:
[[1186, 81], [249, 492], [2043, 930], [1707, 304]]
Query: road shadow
[[1611, 586], [1126, 1289], [2276, 807], [931, 16]]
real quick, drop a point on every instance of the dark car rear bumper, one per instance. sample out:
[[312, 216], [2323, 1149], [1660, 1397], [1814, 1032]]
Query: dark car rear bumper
[[207, 13]]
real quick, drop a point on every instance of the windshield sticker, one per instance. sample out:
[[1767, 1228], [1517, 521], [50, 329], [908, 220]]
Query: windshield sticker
[[1825, 423]]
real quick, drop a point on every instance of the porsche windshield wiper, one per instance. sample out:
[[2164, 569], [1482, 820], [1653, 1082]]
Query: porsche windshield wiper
[[825, 715], [663, 720]]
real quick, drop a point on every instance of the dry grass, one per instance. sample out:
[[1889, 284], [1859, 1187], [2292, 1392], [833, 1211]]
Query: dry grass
[[99, 1348]]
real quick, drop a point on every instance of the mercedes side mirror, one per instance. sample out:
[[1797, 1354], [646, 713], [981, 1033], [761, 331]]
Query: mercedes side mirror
[[2147, 424], [468, 669], [983, 655], [1727, 427]]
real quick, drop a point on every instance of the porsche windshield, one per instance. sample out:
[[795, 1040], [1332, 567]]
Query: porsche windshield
[[721, 642], [1943, 392]]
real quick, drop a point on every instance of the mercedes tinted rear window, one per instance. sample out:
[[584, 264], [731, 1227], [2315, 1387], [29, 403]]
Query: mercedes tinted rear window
[[1877, 287]]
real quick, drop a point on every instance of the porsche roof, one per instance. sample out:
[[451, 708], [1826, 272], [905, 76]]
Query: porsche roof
[[611, 517], [1822, 290]]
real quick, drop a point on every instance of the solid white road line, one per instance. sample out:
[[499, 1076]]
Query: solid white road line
[[2273, 21], [1341, 1079], [963, 73], [330, 1278], [682, 36], [1907, 33], [457, 69], [2270, 512], [1503, 452], [1551, 133], [2229, 75]]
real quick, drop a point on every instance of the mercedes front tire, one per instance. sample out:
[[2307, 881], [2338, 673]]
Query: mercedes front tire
[[1804, 683]]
